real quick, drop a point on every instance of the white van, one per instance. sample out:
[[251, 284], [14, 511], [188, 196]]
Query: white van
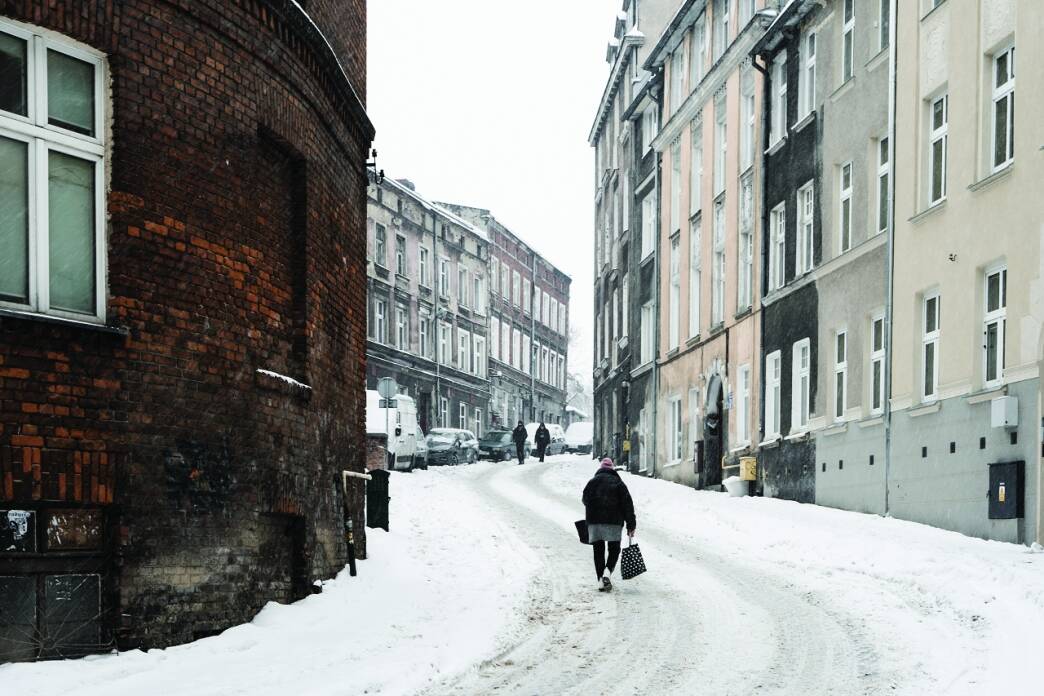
[[401, 420]]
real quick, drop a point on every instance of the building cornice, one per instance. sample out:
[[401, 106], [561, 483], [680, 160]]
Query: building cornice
[[612, 85]]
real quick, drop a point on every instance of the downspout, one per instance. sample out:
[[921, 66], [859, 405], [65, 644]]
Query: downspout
[[656, 313], [438, 325], [532, 333], [893, 52]]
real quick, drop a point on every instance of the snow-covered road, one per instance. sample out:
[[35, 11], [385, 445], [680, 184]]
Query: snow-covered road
[[481, 587]]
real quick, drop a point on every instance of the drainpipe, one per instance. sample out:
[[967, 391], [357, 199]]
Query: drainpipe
[[656, 313], [890, 263], [532, 333], [438, 322]]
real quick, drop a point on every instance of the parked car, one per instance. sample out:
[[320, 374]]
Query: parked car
[[557, 444], [497, 446], [452, 446], [400, 418], [420, 454], [579, 437]]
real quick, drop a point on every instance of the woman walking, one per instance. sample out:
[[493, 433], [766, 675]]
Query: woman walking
[[608, 507], [519, 435], [543, 439]]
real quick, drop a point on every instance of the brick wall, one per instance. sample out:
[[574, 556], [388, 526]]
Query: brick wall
[[236, 243]]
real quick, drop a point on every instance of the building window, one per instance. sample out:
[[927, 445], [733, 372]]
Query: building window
[[845, 217], [695, 273], [801, 384], [777, 246], [674, 429], [494, 338], [676, 185], [400, 255], [516, 288], [616, 314], [648, 225], [463, 351], [425, 269], [462, 287], [505, 343], [1003, 109], [718, 270], [840, 374], [773, 381], [52, 189], [884, 22], [516, 349], [478, 423], [883, 173], [443, 411], [494, 276], [380, 321], [720, 143], [649, 127], [445, 349], [643, 441], [743, 406], [720, 18], [697, 58], [678, 70], [745, 250], [505, 281], [675, 298], [747, 119], [647, 328], [462, 416], [402, 329], [694, 421], [479, 297], [848, 41], [696, 168], [779, 98], [939, 115], [625, 299], [380, 246], [527, 354], [994, 325], [527, 296], [444, 281], [479, 353], [877, 366], [929, 346], [807, 83], [806, 212], [425, 339]]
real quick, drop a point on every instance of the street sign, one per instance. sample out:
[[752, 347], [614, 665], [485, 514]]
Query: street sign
[[387, 387]]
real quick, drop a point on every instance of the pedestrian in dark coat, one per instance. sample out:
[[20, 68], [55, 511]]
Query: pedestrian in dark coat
[[543, 439], [608, 507], [519, 436]]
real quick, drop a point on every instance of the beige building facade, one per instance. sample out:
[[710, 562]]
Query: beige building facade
[[967, 267]]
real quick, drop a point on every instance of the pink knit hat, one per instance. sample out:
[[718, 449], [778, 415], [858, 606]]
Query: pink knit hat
[[607, 463]]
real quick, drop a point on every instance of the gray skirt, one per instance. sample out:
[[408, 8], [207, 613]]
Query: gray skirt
[[604, 532]]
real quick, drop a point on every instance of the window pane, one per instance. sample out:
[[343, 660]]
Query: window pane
[[1002, 69], [1000, 133], [839, 404], [993, 292], [71, 211], [930, 319], [70, 93], [991, 352], [929, 369], [13, 86], [877, 385], [937, 169], [14, 220]]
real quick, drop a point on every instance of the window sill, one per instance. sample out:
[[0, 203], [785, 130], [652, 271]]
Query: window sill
[[878, 58], [935, 207], [925, 409], [807, 119], [835, 429], [671, 464], [874, 419], [743, 313], [776, 146], [798, 436], [930, 12], [63, 321], [987, 394], [771, 443], [842, 89], [646, 259], [992, 178]]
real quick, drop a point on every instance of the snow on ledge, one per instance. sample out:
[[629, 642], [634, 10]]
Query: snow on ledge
[[289, 380]]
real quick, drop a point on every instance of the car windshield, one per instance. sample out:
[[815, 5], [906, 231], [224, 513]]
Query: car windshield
[[442, 436], [497, 436]]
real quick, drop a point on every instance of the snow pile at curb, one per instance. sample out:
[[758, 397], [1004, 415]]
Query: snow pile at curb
[[432, 600]]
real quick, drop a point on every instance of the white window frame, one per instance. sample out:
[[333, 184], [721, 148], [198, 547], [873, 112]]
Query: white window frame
[[807, 81], [847, 40], [402, 328], [649, 127], [648, 225], [777, 246], [516, 348], [718, 269], [773, 394], [743, 405], [445, 353], [676, 184], [678, 70], [674, 428], [444, 279], [462, 415], [462, 287], [505, 342], [938, 134], [1003, 93], [380, 321], [745, 246], [527, 354], [721, 143], [463, 350], [884, 172], [41, 138], [697, 56], [423, 260], [443, 411], [779, 98], [479, 355], [646, 329], [695, 275], [840, 349], [877, 364], [674, 306], [424, 339], [696, 167], [844, 211], [721, 18], [527, 296], [494, 338], [505, 281], [516, 288], [478, 299], [806, 207], [801, 386], [478, 422], [884, 21], [748, 118], [997, 319]]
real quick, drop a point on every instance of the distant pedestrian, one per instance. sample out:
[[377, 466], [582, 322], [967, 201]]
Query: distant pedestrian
[[608, 507], [519, 435], [543, 439]]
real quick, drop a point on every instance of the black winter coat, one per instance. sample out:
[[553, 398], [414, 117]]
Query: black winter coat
[[543, 437], [519, 435], [607, 500]]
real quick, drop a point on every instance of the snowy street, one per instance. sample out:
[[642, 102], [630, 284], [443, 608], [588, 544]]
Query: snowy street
[[481, 587]]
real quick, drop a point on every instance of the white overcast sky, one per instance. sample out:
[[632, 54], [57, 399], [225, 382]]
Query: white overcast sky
[[489, 103]]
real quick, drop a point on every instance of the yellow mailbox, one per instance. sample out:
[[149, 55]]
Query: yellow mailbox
[[748, 468]]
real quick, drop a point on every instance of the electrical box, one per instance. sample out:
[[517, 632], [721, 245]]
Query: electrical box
[[1007, 485], [1004, 412], [748, 468]]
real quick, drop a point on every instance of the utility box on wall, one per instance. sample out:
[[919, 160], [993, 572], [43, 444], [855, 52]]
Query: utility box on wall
[[1007, 485], [1004, 412]]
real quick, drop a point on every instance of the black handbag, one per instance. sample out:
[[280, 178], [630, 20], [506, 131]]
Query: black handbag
[[581, 529], [631, 562]]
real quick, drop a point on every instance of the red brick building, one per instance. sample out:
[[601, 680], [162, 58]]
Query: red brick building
[[182, 312]]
